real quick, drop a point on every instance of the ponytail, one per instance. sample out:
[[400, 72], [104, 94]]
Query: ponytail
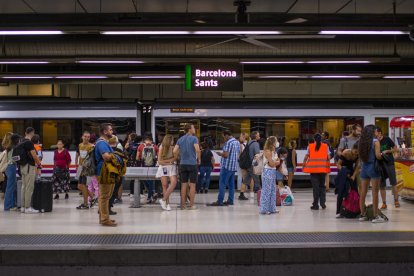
[[318, 140]]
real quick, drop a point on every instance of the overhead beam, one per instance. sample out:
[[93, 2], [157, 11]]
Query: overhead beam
[[29, 6], [82, 6]]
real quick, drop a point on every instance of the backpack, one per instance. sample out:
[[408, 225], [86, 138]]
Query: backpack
[[369, 212], [20, 156], [148, 156], [258, 164], [350, 205], [132, 155], [245, 161], [89, 164]]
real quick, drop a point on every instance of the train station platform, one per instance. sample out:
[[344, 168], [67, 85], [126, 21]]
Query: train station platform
[[225, 240]]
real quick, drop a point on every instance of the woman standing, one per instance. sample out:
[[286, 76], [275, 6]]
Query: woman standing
[[291, 162], [206, 166], [61, 175], [316, 163], [369, 151], [268, 194], [10, 141], [167, 170]]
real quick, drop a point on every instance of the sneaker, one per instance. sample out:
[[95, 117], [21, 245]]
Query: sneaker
[[168, 207], [216, 203], [163, 204], [118, 201], [363, 218], [56, 196], [252, 195], [378, 219], [13, 209], [66, 196], [150, 200], [383, 206], [82, 207], [201, 191], [397, 204], [228, 203], [314, 207], [339, 216], [323, 207], [206, 191], [31, 211], [243, 197], [22, 209]]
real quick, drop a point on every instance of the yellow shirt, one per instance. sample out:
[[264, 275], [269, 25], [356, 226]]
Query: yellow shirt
[[83, 151]]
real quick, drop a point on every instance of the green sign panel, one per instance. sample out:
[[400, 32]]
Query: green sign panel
[[214, 77]]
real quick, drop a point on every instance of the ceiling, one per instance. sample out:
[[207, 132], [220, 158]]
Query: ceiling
[[84, 20]]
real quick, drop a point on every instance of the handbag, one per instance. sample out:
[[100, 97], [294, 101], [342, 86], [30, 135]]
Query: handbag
[[3, 161]]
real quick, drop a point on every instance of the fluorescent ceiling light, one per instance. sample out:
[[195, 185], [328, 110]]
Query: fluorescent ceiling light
[[272, 62], [30, 32], [145, 32], [81, 77], [335, 77], [24, 62], [296, 21], [110, 61], [362, 32], [156, 77], [282, 77], [28, 77], [236, 32], [398, 77], [338, 61]]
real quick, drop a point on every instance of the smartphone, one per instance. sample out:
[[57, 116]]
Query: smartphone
[[164, 170]]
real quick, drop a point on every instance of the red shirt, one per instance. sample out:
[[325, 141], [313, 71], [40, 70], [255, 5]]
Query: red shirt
[[141, 148], [62, 159]]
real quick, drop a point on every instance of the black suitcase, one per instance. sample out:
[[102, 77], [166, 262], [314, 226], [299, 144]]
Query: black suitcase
[[42, 198]]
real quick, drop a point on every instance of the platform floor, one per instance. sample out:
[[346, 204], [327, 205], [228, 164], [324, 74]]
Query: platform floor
[[243, 217]]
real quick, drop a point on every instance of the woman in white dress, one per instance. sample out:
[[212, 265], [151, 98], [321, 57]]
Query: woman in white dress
[[167, 170]]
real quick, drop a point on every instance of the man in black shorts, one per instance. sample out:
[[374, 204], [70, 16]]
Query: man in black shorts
[[189, 151], [388, 147]]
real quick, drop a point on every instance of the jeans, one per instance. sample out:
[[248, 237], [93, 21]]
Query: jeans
[[150, 187], [10, 197], [204, 179], [319, 190], [226, 179]]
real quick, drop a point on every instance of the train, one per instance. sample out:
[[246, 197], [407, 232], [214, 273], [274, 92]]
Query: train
[[287, 120]]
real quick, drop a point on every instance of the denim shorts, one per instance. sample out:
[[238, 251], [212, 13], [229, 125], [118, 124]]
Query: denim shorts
[[279, 176], [291, 170], [368, 171]]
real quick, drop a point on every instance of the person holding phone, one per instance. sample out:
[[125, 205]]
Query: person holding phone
[[167, 170]]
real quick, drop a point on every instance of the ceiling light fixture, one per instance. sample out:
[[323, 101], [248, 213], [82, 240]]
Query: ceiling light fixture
[[272, 62], [27, 77], [236, 32], [24, 62], [110, 61], [81, 77], [398, 77], [156, 77], [335, 77], [362, 32], [338, 61], [145, 32], [31, 32]]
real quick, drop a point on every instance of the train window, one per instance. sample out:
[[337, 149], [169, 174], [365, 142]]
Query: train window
[[52, 130], [14, 126], [121, 126], [383, 123]]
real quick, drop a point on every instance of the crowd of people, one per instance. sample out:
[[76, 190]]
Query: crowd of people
[[364, 157]]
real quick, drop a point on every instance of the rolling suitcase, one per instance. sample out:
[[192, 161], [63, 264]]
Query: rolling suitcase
[[19, 193], [42, 198]]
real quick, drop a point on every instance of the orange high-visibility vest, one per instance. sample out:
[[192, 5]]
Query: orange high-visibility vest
[[318, 161]]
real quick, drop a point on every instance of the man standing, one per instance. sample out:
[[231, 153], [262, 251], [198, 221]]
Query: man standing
[[254, 148], [189, 151], [388, 147], [84, 148], [348, 142], [28, 160], [228, 167], [103, 153]]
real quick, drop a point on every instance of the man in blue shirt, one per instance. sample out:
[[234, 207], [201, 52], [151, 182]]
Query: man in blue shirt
[[189, 151], [228, 167], [103, 153]]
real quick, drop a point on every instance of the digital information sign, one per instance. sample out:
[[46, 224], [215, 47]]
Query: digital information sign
[[214, 77]]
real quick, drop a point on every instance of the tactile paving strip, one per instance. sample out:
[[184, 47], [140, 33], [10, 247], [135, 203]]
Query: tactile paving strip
[[349, 238]]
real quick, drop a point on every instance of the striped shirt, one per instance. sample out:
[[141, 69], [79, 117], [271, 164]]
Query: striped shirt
[[232, 146]]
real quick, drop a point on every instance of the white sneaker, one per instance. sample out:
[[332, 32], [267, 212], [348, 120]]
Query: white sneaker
[[378, 219], [22, 209], [251, 195], [338, 216], [168, 207], [31, 211], [363, 218], [163, 204]]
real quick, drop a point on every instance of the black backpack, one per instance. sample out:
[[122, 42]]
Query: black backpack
[[20, 155], [245, 161]]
